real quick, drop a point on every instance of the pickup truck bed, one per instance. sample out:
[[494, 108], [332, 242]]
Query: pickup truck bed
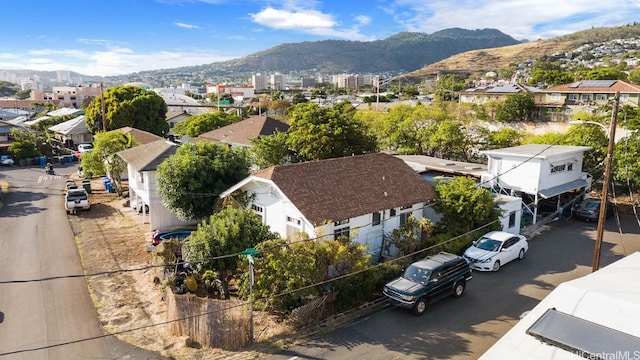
[[76, 199]]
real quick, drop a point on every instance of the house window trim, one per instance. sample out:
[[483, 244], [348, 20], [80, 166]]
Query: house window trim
[[374, 221]]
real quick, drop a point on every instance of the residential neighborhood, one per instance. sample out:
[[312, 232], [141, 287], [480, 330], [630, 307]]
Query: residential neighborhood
[[244, 218]]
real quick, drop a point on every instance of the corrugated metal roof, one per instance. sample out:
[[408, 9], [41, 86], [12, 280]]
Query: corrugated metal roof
[[76, 125]]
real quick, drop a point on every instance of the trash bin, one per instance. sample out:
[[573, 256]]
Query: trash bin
[[105, 182], [43, 160], [70, 158], [86, 184], [110, 188]]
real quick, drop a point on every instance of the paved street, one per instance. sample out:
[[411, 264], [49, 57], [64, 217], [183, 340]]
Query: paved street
[[46, 319], [465, 328]]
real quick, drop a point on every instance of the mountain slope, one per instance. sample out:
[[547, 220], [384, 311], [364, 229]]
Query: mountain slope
[[399, 53], [483, 60]]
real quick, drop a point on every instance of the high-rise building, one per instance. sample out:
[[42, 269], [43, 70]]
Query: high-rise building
[[278, 82], [260, 82]]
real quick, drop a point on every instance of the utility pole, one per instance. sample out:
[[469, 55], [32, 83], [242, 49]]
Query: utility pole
[[605, 184], [104, 122]]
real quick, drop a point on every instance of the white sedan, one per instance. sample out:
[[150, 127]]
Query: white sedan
[[494, 249]]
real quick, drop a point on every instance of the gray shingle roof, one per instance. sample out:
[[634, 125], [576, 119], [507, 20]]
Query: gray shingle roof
[[342, 188], [147, 157]]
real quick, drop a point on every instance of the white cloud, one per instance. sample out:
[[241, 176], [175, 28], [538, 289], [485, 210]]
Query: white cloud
[[109, 62], [186, 26], [309, 21], [519, 18]]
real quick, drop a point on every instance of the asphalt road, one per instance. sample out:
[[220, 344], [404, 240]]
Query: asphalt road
[[465, 328], [46, 319]]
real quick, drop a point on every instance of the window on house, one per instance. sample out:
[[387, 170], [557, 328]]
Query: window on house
[[586, 97], [141, 177], [392, 212], [406, 207], [572, 97], [376, 218], [558, 168], [404, 217], [570, 167], [341, 233], [293, 220], [512, 219], [257, 208], [624, 97], [555, 96], [601, 97]]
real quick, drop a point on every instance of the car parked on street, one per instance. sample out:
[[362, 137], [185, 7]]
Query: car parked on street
[[428, 280], [495, 249], [76, 199], [6, 160], [589, 210]]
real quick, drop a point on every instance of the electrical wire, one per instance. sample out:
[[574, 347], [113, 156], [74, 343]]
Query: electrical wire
[[238, 254]]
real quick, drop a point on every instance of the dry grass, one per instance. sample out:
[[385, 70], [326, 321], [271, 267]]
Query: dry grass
[[112, 237]]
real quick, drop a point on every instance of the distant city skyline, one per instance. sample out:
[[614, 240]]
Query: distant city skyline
[[119, 37]]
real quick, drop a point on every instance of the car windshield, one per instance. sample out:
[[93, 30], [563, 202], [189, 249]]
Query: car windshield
[[417, 274], [589, 205], [488, 244]]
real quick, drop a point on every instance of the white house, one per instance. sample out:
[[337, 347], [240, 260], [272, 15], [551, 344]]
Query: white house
[[142, 163], [364, 196], [542, 171], [593, 317]]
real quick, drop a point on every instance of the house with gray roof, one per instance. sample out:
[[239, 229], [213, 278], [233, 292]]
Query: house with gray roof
[[72, 132], [242, 132], [363, 197], [142, 164]]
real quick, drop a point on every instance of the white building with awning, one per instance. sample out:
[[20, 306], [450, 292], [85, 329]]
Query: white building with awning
[[540, 170]]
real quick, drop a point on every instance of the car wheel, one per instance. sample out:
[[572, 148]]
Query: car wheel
[[496, 265], [521, 254], [458, 289], [420, 307]]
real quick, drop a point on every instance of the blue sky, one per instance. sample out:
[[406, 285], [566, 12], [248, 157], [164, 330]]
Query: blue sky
[[100, 37]]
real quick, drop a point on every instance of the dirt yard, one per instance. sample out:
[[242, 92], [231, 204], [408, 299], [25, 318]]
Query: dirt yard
[[112, 237]]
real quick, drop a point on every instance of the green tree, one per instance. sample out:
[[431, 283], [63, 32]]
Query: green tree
[[516, 107], [298, 98], [229, 231], [190, 181], [23, 94], [270, 150], [128, 106], [465, 206], [199, 124], [550, 77], [102, 160], [603, 73], [625, 164], [448, 141], [634, 76], [321, 133], [503, 138], [25, 144], [288, 267]]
